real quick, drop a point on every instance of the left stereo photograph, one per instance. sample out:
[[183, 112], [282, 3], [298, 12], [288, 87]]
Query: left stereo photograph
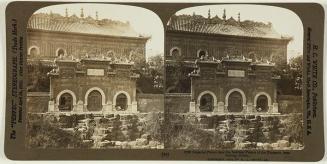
[[95, 77]]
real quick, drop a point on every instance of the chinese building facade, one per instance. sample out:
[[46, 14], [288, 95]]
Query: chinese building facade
[[90, 62], [230, 63], [52, 35], [233, 85], [93, 85]]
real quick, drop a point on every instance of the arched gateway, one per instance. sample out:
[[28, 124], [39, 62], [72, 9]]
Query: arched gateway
[[206, 103], [94, 101], [65, 102], [121, 102], [262, 102], [235, 100]]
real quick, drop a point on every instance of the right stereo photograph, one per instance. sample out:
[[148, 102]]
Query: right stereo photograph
[[234, 78]]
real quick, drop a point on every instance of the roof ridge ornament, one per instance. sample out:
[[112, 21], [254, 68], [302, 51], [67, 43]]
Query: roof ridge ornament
[[74, 23], [216, 25], [66, 12], [239, 17], [82, 13], [51, 15], [224, 15]]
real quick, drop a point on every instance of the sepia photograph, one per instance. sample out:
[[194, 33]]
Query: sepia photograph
[[95, 77], [234, 78], [184, 81]]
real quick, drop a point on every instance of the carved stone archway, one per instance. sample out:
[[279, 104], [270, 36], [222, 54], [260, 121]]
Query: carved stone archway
[[34, 47], [172, 50], [235, 90], [269, 103], [66, 91], [103, 96], [205, 93], [122, 92]]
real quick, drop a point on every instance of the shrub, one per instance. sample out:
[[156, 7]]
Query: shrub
[[41, 133], [183, 134], [294, 127], [153, 125], [116, 132], [133, 132]]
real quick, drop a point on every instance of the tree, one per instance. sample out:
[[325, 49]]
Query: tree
[[151, 74], [156, 63], [177, 75], [38, 81], [291, 77], [45, 133], [294, 127], [296, 67]]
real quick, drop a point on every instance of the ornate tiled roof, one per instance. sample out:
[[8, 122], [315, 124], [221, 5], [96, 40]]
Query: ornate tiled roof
[[215, 25], [85, 25]]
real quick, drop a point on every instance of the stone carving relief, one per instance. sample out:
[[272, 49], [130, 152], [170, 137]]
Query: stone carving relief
[[232, 51], [67, 73], [110, 54], [208, 73], [136, 55]]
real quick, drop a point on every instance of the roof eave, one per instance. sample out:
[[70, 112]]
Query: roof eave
[[87, 34], [235, 36]]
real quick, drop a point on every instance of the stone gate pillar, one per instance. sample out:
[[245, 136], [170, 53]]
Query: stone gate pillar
[[275, 108], [221, 107], [192, 107], [107, 108], [51, 106], [134, 107], [79, 107], [249, 108], [56, 107]]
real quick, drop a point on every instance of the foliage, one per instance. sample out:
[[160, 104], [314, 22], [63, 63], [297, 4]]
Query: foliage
[[133, 131], [116, 132], [153, 125], [291, 77], [183, 134], [43, 132], [151, 74], [187, 134], [68, 121], [273, 124], [38, 81], [294, 127], [177, 80], [296, 67], [156, 64]]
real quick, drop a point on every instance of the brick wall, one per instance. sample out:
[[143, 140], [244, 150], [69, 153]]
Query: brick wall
[[37, 102], [150, 103], [177, 102], [290, 104]]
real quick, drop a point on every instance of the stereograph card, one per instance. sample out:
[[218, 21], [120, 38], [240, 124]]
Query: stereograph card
[[164, 81]]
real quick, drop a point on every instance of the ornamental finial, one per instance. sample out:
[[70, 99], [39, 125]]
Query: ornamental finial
[[82, 13]]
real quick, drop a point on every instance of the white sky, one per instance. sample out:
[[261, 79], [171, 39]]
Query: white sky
[[284, 21], [143, 21]]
